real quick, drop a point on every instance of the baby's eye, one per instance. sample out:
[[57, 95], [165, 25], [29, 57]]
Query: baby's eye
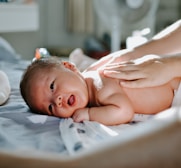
[[52, 86]]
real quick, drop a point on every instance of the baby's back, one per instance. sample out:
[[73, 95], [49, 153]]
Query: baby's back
[[152, 100], [148, 100]]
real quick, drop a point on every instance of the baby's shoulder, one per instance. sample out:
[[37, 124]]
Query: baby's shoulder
[[104, 86], [96, 78], [110, 87]]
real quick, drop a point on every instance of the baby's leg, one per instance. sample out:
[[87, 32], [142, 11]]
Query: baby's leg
[[4, 87], [80, 60]]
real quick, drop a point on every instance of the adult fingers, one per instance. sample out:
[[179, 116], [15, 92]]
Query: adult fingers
[[140, 83], [122, 67], [125, 75]]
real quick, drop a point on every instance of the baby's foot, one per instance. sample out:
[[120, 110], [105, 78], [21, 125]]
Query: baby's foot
[[80, 60]]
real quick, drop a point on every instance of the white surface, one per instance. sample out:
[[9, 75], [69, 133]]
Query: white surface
[[19, 17]]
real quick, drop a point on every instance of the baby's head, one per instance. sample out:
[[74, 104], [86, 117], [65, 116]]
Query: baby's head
[[53, 87]]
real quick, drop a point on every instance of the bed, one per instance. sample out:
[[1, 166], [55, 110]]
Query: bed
[[32, 140]]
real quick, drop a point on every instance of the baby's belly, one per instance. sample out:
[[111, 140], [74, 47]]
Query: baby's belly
[[150, 100]]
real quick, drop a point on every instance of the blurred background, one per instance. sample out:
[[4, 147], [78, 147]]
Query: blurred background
[[97, 26]]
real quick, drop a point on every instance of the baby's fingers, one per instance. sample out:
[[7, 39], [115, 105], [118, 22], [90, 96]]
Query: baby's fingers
[[77, 118]]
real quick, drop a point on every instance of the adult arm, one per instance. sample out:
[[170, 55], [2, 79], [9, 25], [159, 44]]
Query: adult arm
[[167, 42]]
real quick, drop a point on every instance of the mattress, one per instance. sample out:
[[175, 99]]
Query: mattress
[[33, 140]]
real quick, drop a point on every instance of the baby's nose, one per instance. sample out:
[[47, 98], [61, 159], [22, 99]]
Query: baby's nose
[[58, 100]]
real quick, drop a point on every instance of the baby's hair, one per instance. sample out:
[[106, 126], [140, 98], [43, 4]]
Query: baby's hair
[[39, 65]]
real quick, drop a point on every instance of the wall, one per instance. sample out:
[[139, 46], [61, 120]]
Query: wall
[[169, 12], [25, 42], [52, 32]]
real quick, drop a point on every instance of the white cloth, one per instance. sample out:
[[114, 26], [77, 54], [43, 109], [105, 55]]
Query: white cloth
[[177, 97]]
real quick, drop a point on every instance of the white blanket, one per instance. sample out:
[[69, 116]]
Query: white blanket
[[80, 136]]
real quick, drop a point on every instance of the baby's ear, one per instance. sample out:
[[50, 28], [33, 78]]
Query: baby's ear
[[70, 66]]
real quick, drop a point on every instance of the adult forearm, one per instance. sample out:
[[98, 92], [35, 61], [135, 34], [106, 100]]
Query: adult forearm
[[174, 63], [167, 41]]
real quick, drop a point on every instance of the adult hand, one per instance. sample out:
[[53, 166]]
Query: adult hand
[[148, 71], [118, 56]]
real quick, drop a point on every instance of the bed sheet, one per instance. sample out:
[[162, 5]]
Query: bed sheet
[[22, 129], [48, 140], [32, 140]]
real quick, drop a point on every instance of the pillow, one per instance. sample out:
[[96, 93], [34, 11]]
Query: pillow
[[7, 53], [4, 87]]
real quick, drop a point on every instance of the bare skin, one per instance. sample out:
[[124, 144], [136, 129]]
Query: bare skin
[[117, 104], [165, 45], [65, 92], [146, 73]]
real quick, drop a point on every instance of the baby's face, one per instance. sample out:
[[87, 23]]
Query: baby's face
[[58, 92]]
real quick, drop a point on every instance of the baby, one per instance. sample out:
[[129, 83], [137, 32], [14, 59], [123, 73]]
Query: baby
[[53, 87]]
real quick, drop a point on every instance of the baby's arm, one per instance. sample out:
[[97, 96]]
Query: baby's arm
[[117, 110]]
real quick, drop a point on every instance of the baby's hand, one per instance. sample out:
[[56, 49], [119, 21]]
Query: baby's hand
[[81, 115]]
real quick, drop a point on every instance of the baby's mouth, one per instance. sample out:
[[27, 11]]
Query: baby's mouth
[[71, 100]]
